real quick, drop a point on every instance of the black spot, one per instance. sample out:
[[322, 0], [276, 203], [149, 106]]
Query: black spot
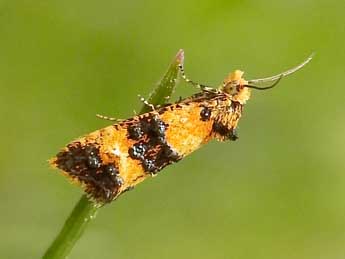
[[161, 140], [68, 164], [138, 150], [159, 127], [170, 154], [135, 132], [155, 141], [65, 161], [156, 126], [166, 156], [205, 114], [144, 125], [111, 170], [78, 158], [162, 156], [93, 162], [91, 150], [149, 166], [223, 130], [152, 150], [83, 162], [220, 129], [150, 125]]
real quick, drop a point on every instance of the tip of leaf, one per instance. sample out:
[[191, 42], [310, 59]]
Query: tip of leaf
[[180, 56]]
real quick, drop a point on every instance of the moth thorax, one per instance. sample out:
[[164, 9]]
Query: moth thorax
[[234, 85]]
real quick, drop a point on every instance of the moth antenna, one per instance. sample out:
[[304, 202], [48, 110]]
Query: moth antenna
[[279, 76], [144, 101], [266, 87], [197, 85], [107, 118]]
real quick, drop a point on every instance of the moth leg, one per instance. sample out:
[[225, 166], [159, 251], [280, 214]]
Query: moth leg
[[144, 101], [107, 118], [197, 85]]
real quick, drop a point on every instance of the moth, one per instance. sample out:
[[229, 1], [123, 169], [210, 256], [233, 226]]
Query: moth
[[114, 159]]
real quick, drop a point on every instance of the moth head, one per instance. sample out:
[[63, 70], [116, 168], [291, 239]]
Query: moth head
[[239, 89], [235, 86]]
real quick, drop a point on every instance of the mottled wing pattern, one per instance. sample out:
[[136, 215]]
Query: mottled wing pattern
[[109, 161]]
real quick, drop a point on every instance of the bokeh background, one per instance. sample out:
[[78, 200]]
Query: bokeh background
[[277, 192]]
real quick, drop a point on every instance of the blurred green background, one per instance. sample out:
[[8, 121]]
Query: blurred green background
[[277, 192]]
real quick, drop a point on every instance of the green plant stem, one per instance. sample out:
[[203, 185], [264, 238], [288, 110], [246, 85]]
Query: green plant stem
[[86, 210]]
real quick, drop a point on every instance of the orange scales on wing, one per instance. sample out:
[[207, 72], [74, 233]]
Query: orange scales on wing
[[124, 154]]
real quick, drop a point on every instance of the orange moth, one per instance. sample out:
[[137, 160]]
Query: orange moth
[[112, 160]]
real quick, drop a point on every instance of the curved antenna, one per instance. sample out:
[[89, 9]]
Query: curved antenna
[[266, 87], [279, 76]]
